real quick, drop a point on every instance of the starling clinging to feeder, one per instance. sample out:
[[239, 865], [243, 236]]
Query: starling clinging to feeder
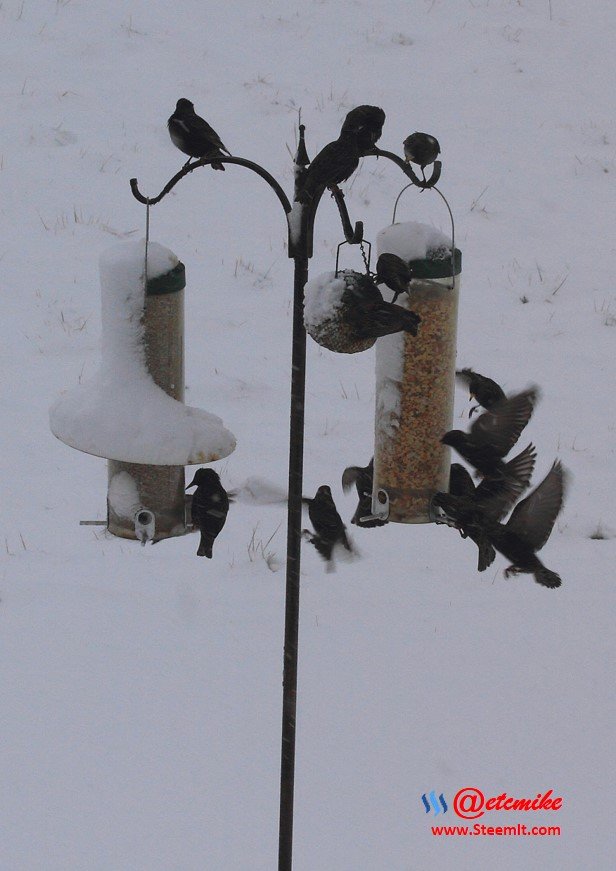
[[494, 433], [210, 504], [336, 162], [362, 477], [394, 272], [367, 124], [373, 319], [329, 529], [529, 527], [194, 136], [466, 506], [484, 390], [422, 149]]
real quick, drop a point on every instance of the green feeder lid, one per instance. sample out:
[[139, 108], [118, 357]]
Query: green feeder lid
[[438, 265], [170, 282]]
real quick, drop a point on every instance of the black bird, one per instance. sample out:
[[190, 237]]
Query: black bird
[[369, 316], [194, 136], [210, 504], [336, 162], [529, 527], [422, 149], [362, 477], [466, 505], [329, 529], [494, 433], [367, 124], [485, 391], [394, 272]]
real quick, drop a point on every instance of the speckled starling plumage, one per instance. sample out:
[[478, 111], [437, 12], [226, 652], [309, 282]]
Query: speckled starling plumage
[[329, 529], [209, 507], [393, 272], [484, 390], [335, 163], [193, 135], [421, 148]]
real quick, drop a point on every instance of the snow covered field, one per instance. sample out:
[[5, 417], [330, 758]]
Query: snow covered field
[[141, 687]]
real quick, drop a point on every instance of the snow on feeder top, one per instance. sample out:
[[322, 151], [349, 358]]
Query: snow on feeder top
[[122, 414], [415, 378]]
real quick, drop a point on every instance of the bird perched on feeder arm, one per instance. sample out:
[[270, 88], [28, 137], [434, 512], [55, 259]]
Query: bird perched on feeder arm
[[528, 528], [494, 433], [329, 529], [193, 135], [465, 505], [362, 477], [367, 124], [336, 162], [210, 504], [422, 149], [394, 272], [484, 390], [370, 316]]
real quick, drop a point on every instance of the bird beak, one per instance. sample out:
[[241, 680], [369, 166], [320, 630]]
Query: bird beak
[[192, 484]]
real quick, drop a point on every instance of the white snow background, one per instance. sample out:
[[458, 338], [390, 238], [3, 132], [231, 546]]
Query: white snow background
[[141, 687]]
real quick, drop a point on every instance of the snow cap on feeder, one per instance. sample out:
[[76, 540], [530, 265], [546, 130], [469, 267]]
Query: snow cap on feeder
[[122, 414], [415, 378]]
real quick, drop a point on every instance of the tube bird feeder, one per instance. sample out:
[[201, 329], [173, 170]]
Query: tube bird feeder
[[415, 378], [132, 412]]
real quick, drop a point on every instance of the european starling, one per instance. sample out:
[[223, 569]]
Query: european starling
[[194, 136], [422, 149], [329, 529], [466, 505], [210, 504], [336, 162], [371, 317], [362, 477], [367, 124], [485, 391], [494, 433], [392, 271], [529, 527]]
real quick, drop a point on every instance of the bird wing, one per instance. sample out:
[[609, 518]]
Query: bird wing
[[500, 427], [495, 496], [461, 483], [200, 125], [534, 517], [349, 477]]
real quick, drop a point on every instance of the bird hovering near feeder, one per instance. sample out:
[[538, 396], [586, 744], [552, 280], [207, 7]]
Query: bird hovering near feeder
[[486, 391], [392, 271], [527, 530], [367, 123], [329, 529], [465, 505], [494, 433], [210, 504], [422, 149], [193, 135]]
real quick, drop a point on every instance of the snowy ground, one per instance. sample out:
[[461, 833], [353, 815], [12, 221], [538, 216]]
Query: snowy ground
[[141, 688]]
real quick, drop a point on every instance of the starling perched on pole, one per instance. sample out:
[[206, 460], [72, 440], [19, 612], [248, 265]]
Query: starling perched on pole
[[367, 124], [494, 433], [210, 504], [422, 149], [336, 162], [529, 527], [329, 529], [362, 477], [194, 136], [484, 390], [394, 272]]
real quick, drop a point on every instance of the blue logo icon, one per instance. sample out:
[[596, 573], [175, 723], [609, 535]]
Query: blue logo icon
[[432, 803]]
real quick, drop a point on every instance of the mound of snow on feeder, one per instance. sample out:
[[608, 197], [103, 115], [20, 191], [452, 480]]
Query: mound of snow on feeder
[[121, 414], [413, 241]]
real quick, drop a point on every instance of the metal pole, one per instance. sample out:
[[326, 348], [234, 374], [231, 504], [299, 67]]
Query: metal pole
[[294, 534]]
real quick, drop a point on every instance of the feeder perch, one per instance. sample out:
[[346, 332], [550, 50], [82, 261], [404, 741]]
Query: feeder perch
[[415, 378], [132, 412]]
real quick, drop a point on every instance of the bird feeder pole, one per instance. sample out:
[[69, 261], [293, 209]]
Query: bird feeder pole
[[300, 221]]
